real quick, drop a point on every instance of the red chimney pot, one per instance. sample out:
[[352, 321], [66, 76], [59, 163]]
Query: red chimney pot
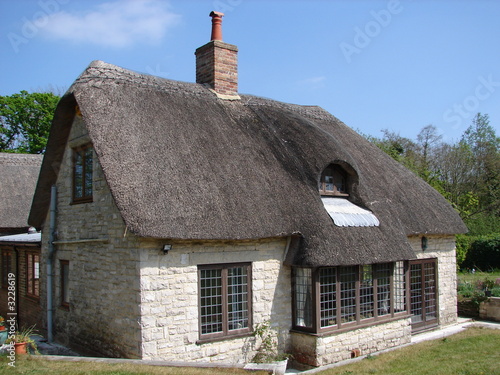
[[216, 25]]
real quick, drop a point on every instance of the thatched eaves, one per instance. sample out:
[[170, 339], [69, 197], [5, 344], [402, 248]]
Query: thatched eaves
[[19, 174], [184, 164]]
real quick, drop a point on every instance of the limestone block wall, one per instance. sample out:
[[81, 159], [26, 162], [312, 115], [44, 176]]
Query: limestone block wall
[[169, 298], [443, 248], [103, 314], [335, 347]]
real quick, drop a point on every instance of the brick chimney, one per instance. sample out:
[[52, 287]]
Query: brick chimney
[[217, 62]]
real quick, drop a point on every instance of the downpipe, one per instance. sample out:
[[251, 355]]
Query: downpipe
[[50, 262]]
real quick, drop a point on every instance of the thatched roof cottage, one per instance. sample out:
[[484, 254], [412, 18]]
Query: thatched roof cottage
[[187, 213]]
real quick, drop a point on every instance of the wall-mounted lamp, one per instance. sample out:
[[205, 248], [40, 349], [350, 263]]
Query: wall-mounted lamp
[[166, 248], [424, 243]]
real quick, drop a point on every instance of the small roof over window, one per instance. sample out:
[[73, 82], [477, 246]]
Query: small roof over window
[[347, 214]]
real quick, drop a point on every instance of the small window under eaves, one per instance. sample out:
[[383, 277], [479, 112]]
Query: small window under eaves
[[333, 181]]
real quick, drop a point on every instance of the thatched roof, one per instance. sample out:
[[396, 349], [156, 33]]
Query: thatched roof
[[184, 164], [18, 176]]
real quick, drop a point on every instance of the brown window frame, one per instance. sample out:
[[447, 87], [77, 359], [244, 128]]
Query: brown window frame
[[32, 282], [225, 312], [64, 293], [7, 267], [331, 171], [348, 294], [87, 196]]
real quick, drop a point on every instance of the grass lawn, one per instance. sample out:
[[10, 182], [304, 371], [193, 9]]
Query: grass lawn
[[475, 351], [38, 365], [477, 276]]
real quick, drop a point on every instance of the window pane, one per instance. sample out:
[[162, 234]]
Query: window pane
[[430, 291], [328, 296], [211, 300], [348, 276], [416, 292], [366, 293], [65, 283], [383, 275], [303, 297], [237, 296], [399, 287], [78, 174], [88, 172]]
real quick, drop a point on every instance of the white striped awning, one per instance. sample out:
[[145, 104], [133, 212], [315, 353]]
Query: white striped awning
[[347, 214]]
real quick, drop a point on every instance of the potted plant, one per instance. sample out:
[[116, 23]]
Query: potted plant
[[3, 331], [267, 351], [22, 341]]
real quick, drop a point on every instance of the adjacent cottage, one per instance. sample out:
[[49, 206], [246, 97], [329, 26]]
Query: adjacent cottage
[[187, 213], [19, 245]]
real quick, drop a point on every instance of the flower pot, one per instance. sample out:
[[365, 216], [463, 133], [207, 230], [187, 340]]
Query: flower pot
[[3, 336], [20, 348], [280, 368]]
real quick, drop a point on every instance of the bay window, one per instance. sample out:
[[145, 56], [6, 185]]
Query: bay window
[[329, 298]]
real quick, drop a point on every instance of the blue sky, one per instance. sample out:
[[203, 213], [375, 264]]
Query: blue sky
[[393, 64]]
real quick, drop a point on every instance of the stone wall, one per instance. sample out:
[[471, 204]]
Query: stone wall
[[103, 314], [169, 284], [442, 248], [330, 348], [490, 309]]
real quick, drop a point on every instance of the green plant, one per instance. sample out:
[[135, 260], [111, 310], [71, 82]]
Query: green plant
[[483, 253], [268, 348], [24, 336]]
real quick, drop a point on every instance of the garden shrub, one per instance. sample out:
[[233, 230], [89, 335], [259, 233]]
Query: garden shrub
[[484, 253]]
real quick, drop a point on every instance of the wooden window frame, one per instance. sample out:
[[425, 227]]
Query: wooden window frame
[[32, 283], [356, 318], [63, 294], [87, 196], [7, 267], [225, 332], [335, 169]]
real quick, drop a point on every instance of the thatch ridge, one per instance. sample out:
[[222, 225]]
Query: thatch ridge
[[183, 164]]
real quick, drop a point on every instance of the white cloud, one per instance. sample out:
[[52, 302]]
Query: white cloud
[[114, 24]]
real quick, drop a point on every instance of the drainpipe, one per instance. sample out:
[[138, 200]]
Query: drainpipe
[[50, 261]]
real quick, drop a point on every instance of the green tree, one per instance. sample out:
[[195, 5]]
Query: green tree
[[25, 120], [484, 176]]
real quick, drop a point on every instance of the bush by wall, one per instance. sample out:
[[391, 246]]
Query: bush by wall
[[483, 253]]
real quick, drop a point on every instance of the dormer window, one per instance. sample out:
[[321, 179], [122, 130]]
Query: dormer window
[[333, 181]]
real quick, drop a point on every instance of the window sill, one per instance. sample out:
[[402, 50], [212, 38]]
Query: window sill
[[223, 338], [33, 298], [81, 201], [352, 326]]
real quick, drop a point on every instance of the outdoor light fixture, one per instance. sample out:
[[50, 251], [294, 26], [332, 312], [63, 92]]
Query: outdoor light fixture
[[166, 248], [424, 243]]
